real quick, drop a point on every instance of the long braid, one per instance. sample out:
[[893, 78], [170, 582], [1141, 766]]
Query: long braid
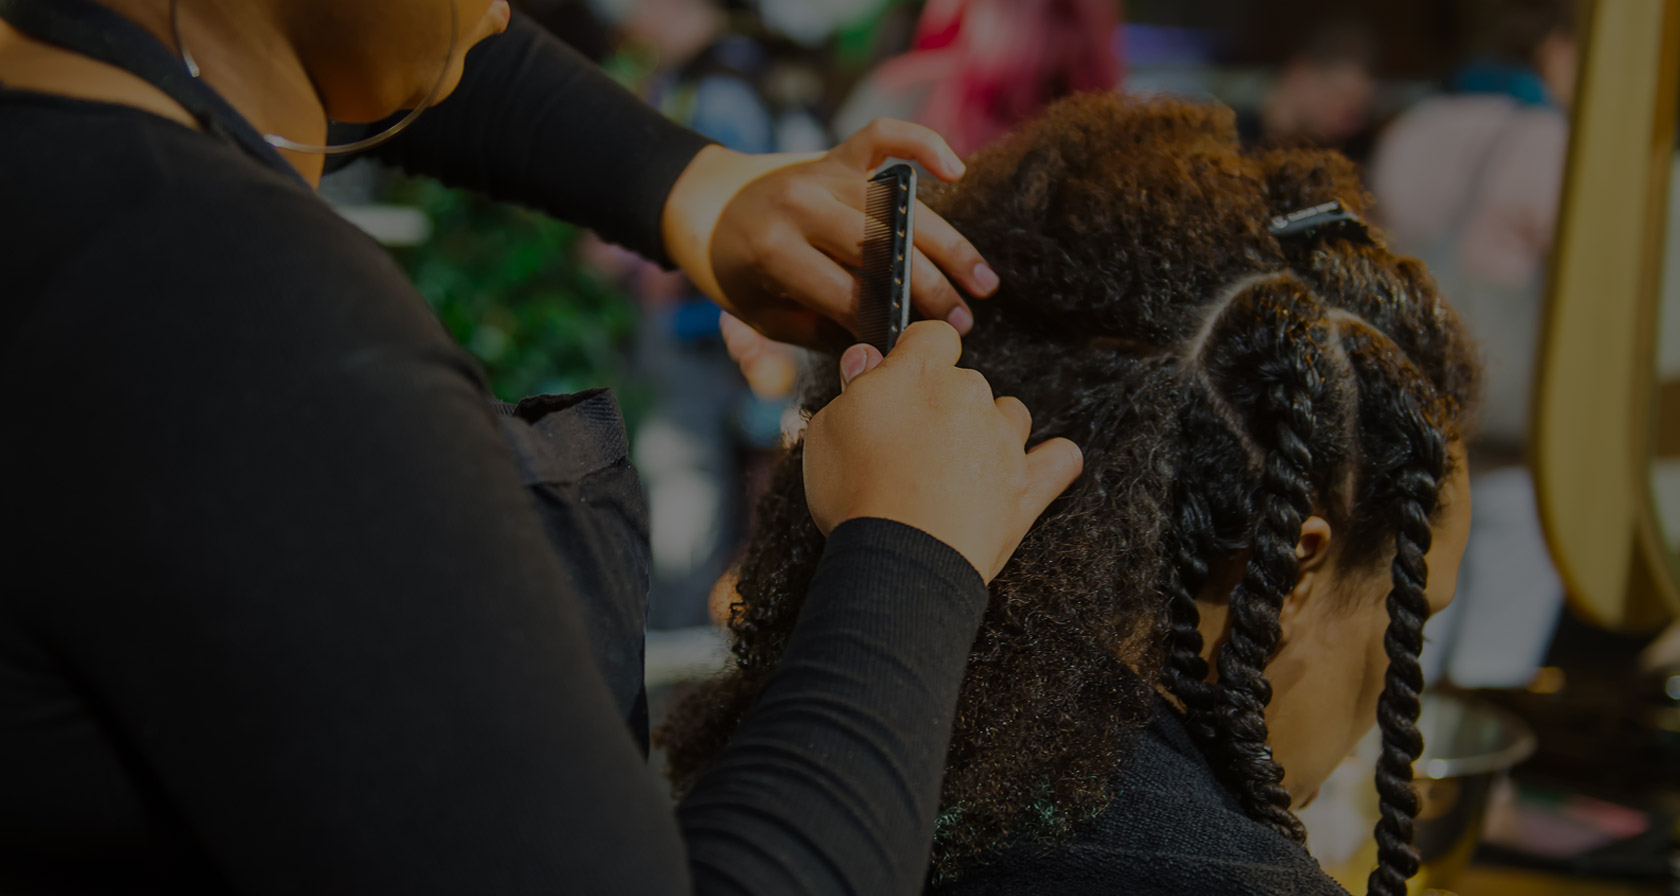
[[1398, 708], [1244, 689], [1209, 523], [1390, 392], [1278, 353], [1186, 670]]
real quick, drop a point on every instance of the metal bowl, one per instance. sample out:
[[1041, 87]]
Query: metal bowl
[[1469, 746]]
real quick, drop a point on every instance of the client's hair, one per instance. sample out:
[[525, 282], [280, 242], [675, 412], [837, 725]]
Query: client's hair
[[1223, 384]]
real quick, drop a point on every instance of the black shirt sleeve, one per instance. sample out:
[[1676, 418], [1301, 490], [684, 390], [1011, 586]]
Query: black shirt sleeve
[[846, 747], [285, 559], [535, 122]]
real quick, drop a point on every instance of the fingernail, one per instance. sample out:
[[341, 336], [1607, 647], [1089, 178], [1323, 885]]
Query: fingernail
[[955, 165], [985, 278], [962, 319], [851, 363]]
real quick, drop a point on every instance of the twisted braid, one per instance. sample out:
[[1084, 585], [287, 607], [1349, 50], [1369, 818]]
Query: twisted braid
[[1186, 670], [1397, 709], [1393, 397], [1212, 520], [1279, 349]]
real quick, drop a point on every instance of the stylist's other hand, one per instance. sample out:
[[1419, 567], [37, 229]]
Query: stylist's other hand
[[918, 440], [786, 233], [771, 368]]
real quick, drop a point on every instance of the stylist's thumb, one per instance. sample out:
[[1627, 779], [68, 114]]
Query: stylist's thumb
[[1052, 466]]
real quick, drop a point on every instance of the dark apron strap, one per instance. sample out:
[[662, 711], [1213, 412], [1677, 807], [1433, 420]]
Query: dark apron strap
[[91, 30], [563, 438], [574, 457]]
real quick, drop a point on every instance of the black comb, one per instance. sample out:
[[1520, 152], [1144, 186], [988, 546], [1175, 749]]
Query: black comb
[[888, 240]]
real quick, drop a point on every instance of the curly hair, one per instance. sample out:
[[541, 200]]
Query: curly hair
[[1223, 385]]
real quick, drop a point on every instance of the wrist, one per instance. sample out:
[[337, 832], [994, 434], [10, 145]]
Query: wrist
[[907, 541], [690, 214], [956, 536], [697, 200]]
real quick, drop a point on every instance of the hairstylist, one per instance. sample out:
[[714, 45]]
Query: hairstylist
[[305, 612]]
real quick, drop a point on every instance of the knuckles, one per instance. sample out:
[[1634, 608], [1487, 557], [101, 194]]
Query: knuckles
[[1015, 409], [762, 246], [931, 286], [877, 130], [951, 249], [794, 196], [974, 384]]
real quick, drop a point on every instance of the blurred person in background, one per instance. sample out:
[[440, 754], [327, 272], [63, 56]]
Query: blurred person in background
[[1323, 93], [1469, 182], [976, 68]]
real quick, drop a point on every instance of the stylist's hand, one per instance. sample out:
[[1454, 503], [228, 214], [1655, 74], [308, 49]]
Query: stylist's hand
[[774, 238], [915, 439]]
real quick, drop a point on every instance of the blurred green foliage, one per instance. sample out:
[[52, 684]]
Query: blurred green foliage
[[510, 288]]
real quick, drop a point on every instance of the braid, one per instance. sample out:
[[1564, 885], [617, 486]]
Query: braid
[[1208, 523], [1397, 710], [1283, 380], [1390, 389], [1186, 670], [1244, 689]]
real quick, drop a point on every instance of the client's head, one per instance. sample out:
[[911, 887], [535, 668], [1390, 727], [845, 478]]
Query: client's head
[[1270, 428]]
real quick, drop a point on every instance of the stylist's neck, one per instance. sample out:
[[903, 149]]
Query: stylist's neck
[[242, 52]]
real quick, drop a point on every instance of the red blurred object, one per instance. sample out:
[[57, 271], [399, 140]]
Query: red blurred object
[[991, 64]]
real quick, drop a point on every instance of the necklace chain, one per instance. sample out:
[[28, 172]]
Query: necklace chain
[[334, 149]]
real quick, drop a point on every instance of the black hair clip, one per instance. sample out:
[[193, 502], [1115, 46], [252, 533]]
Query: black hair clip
[[1327, 216]]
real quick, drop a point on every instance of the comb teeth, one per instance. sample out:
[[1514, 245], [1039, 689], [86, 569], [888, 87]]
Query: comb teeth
[[884, 297]]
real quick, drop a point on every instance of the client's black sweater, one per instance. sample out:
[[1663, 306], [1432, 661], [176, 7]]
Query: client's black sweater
[[1172, 830]]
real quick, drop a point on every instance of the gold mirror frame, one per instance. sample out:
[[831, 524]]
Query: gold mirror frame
[[1593, 435], [1659, 435]]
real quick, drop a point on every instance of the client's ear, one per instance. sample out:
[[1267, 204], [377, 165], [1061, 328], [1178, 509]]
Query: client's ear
[[1312, 582]]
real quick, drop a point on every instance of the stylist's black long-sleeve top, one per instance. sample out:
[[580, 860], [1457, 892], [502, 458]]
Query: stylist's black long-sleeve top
[[279, 616], [534, 122]]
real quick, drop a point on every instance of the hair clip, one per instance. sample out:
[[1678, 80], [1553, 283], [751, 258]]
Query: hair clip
[[1308, 222]]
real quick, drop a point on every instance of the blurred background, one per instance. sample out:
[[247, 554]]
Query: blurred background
[[1460, 112]]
